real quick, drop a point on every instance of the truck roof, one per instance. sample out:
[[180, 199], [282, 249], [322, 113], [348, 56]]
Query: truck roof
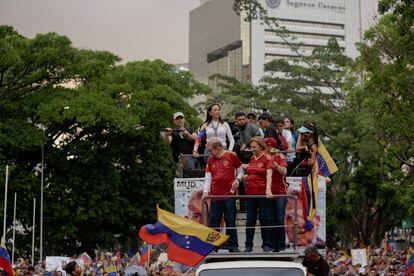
[[246, 267]]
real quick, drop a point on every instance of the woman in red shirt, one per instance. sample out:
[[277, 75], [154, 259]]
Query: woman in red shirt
[[279, 187], [258, 182]]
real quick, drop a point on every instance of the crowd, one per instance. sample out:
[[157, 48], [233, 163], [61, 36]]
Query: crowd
[[338, 261], [379, 262]]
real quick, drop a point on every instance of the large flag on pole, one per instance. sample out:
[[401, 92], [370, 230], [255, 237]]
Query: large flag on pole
[[188, 241], [324, 166]]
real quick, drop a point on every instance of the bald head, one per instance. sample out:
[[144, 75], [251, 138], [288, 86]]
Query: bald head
[[215, 147]]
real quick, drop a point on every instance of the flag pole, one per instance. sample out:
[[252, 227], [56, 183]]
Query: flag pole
[[149, 255], [14, 226], [5, 202], [33, 230]]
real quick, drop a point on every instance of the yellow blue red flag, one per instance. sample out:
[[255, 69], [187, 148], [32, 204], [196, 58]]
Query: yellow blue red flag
[[188, 241]]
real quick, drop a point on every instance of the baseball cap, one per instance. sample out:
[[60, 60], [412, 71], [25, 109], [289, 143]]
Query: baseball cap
[[177, 114], [304, 129], [264, 116]]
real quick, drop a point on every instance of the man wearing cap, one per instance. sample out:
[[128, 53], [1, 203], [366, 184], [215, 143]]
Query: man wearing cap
[[181, 141], [266, 123]]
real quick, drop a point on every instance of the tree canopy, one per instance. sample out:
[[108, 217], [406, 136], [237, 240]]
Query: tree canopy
[[106, 166]]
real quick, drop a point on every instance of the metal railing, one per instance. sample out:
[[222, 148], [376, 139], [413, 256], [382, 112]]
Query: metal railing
[[181, 164], [238, 197]]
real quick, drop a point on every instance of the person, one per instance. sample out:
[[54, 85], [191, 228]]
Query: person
[[266, 122], [279, 187], [251, 118], [214, 127], [245, 132], [289, 126], [72, 268], [305, 237], [223, 176], [181, 141], [258, 182], [307, 144], [195, 207], [315, 264]]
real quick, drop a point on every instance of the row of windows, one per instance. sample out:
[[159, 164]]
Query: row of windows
[[284, 45], [308, 35], [309, 24]]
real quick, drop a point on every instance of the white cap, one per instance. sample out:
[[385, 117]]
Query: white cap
[[177, 114]]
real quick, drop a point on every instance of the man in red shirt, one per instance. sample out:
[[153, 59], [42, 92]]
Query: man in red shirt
[[223, 175], [278, 234]]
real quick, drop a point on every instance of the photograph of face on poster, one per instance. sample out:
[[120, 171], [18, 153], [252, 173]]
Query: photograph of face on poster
[[188, 193], [315, 236]]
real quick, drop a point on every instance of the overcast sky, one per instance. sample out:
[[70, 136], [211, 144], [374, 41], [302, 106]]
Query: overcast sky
[[132, 29]]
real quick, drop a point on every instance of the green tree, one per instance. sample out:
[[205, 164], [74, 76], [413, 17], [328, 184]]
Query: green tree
[[105, 163]]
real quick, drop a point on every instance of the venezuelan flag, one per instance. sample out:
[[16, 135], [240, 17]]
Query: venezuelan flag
[[111, 270], [201, 135], [145, 254], [343, 261], [135, 260], [310, 189], [188, 241], [326, 165], [5, 262], [410, 264]]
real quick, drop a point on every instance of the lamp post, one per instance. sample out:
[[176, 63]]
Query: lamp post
[[41, 204]]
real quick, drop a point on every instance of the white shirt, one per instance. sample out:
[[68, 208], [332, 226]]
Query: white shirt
[[220, 131]]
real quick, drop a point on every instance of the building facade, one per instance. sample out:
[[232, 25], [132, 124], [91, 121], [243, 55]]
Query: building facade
[[221, 42]]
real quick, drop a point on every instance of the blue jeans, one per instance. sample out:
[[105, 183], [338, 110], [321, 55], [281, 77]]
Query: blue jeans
[[278, 234], [263, 207], [226, 208], [191, 163]]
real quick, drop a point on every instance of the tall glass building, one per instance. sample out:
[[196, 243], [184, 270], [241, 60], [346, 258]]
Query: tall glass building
[[221, 42]]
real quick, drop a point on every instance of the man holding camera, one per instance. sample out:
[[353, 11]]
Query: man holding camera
[[181, 141]]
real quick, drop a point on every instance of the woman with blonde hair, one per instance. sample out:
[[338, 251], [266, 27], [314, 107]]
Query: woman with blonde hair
[[258, 182]]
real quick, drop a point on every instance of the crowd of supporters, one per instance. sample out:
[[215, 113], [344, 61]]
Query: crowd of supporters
[[298, 145], [379, 262]]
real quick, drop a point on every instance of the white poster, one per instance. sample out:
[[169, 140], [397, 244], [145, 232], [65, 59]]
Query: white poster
[[359, 256], [317, 234], [188, 193], [55, 263]]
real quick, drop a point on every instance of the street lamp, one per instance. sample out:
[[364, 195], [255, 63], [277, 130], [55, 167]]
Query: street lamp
[[42, 127], [41, 202]]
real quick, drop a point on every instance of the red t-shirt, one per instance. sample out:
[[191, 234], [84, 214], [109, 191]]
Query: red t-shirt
[[278, 181], [256, 175], [223, 172]]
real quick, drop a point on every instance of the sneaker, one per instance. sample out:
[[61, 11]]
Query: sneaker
[[275, 250], [266, 249], [234, 250], [248, 249]]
